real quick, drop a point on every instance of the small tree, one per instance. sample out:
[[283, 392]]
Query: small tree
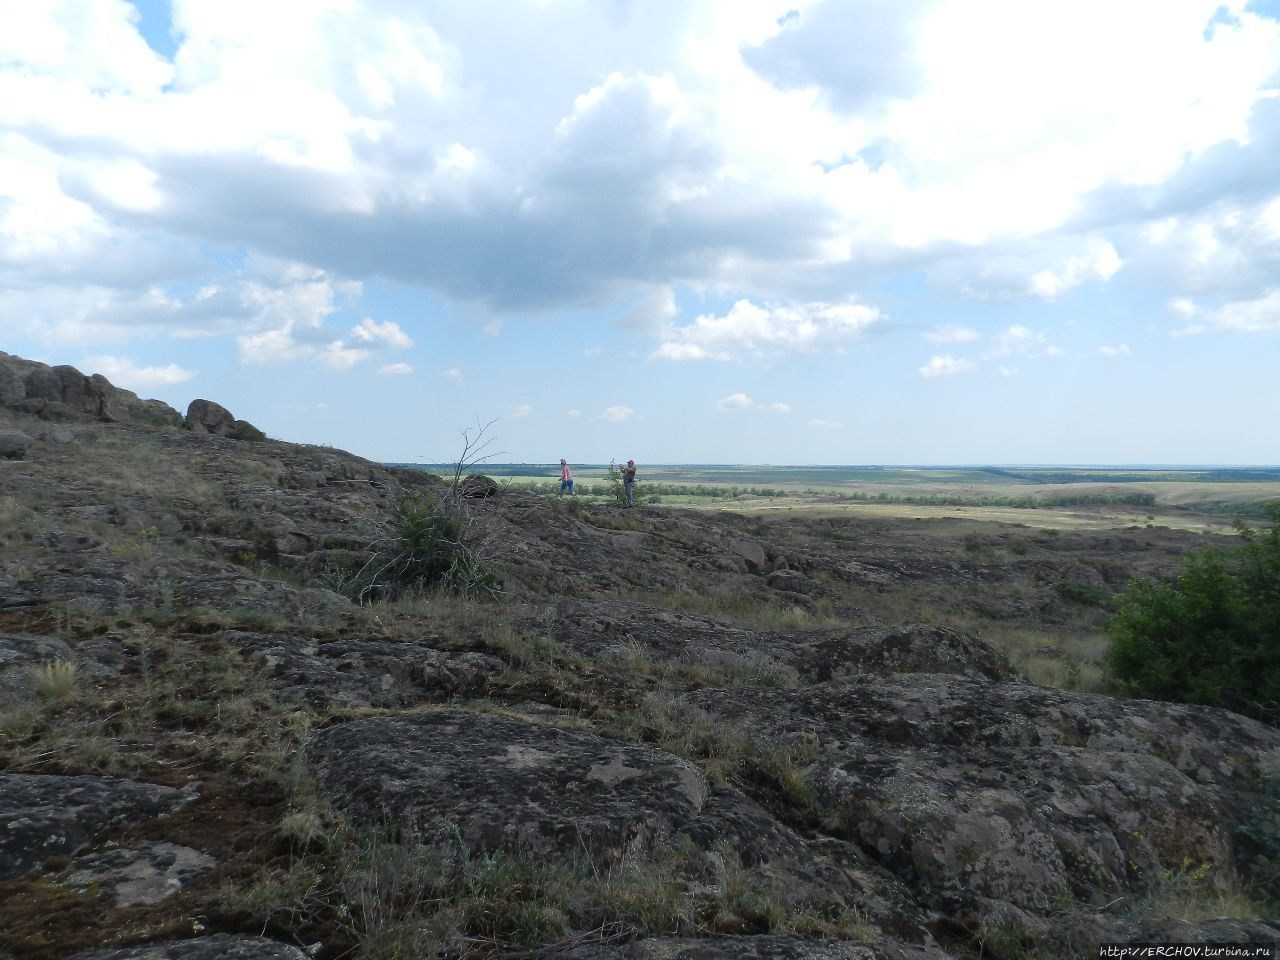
[[618, 491], [1212, 636], [433, 541]]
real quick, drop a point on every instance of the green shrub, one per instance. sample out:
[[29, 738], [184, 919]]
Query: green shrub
[[1212, 636], [429, 543], [1084, 594], [618, 492]]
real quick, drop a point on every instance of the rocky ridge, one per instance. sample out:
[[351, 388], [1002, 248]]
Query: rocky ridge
[[738, 739]]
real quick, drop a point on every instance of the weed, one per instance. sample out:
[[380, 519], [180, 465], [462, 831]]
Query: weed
[[56, 682]]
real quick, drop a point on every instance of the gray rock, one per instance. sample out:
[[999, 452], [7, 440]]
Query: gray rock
[[751, 553], [44, 816], [64, 393], [976, 793], [910, 648], [753, 948], [138, 874], [13, 593], [364, 673], [205, 416], [792, 581], [221, 946], [13, 444], [506, 783], [12, 388], [477, 487]]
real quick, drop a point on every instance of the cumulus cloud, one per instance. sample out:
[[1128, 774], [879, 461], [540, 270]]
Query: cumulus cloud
[[769, 328], [453, 373], [1043, 270], [782, 159], [1118, 350], [855, 56], [125, 373], [950, 333], [652, 313], [382, 334], [819, 424], [1020, 340], [521, 411], [396, 369], [616, 413], [945, 365], [736, 402], [1256, 315]]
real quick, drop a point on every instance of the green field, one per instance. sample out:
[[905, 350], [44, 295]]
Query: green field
[[1196, 498]]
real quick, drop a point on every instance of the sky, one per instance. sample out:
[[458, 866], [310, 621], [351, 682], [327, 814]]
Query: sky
[[679, 231]]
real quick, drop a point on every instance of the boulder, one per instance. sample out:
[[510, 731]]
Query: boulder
[[751, 553], [137, 874], [13, 444], [508, 783], [64, 393], [910, 648], [43, 816], [363, 673], [478, 486], [984, 796], [12, 388], [205, 416], [221, 946], [763, 947]]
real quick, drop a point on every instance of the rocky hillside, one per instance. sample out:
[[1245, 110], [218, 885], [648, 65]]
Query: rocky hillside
[[226, 731]]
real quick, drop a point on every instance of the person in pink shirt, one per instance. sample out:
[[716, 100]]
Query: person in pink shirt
[[566, 479]]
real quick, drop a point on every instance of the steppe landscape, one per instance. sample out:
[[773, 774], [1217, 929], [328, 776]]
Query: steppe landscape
[[236, 720]]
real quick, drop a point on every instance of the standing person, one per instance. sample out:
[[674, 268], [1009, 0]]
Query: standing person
[[566, 479], [629, 480]]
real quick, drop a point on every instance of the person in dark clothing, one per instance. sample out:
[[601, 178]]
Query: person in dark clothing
[[629, 480]]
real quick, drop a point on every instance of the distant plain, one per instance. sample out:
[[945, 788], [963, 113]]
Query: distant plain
[[1207, 499]]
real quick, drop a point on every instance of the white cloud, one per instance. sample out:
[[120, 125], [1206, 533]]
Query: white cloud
[[818, 424], [1018, 340], [685, 351], [125, 373], [735, 401], [1257, 315], [950, 334], [777, 154], [652, 314], [521, 411], [1118, 350], [770, 328], [945, 365], [1044, 269], [383, 334], [1009, 371], [453, 373], [339, 356], [616, 413], [396, 369]]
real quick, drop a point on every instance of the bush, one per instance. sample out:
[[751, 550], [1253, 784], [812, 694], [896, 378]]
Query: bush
[[430, 543], [1212, 636], [618, 491]]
